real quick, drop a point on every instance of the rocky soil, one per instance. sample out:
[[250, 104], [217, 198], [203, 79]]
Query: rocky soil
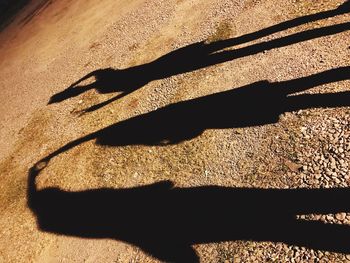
[[53, 44]]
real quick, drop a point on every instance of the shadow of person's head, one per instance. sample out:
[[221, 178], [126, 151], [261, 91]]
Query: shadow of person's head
[[104, 81], [345, 7]]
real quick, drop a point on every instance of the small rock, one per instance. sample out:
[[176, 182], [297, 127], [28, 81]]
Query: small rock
[[340, 216], [292, 166], [329, 217]]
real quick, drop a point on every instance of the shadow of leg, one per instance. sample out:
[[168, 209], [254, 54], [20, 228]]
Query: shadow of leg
[[307, 101], [317, 235]]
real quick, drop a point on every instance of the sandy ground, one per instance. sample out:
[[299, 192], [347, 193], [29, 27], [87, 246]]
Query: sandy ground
[[52, 44]]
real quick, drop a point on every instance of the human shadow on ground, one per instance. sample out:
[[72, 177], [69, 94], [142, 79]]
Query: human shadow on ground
[[165, 221], [256, 104], [196, 56]]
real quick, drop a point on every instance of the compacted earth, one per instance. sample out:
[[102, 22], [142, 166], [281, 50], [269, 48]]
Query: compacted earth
[[175, 131]]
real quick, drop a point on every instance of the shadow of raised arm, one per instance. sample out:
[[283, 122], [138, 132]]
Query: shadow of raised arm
[[74, 90], [165, 221], [199, 55], [256, 104]]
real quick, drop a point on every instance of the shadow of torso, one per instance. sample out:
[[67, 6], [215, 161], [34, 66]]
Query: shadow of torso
[[255, 104], [165, 221]]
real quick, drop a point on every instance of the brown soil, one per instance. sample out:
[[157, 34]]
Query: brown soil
[[52, 44]]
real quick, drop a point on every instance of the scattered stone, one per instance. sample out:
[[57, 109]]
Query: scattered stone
[[340, 216], [292, 166]]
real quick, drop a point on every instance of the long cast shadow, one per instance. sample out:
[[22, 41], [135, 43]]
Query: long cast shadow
[[196, 56], [165, 221], [259, 103]]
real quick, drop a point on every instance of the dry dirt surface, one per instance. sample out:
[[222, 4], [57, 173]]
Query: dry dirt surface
[[204, 131]]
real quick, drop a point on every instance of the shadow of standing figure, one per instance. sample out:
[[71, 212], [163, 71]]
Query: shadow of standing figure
[[259, 103], [165, 221], [196, 56]]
